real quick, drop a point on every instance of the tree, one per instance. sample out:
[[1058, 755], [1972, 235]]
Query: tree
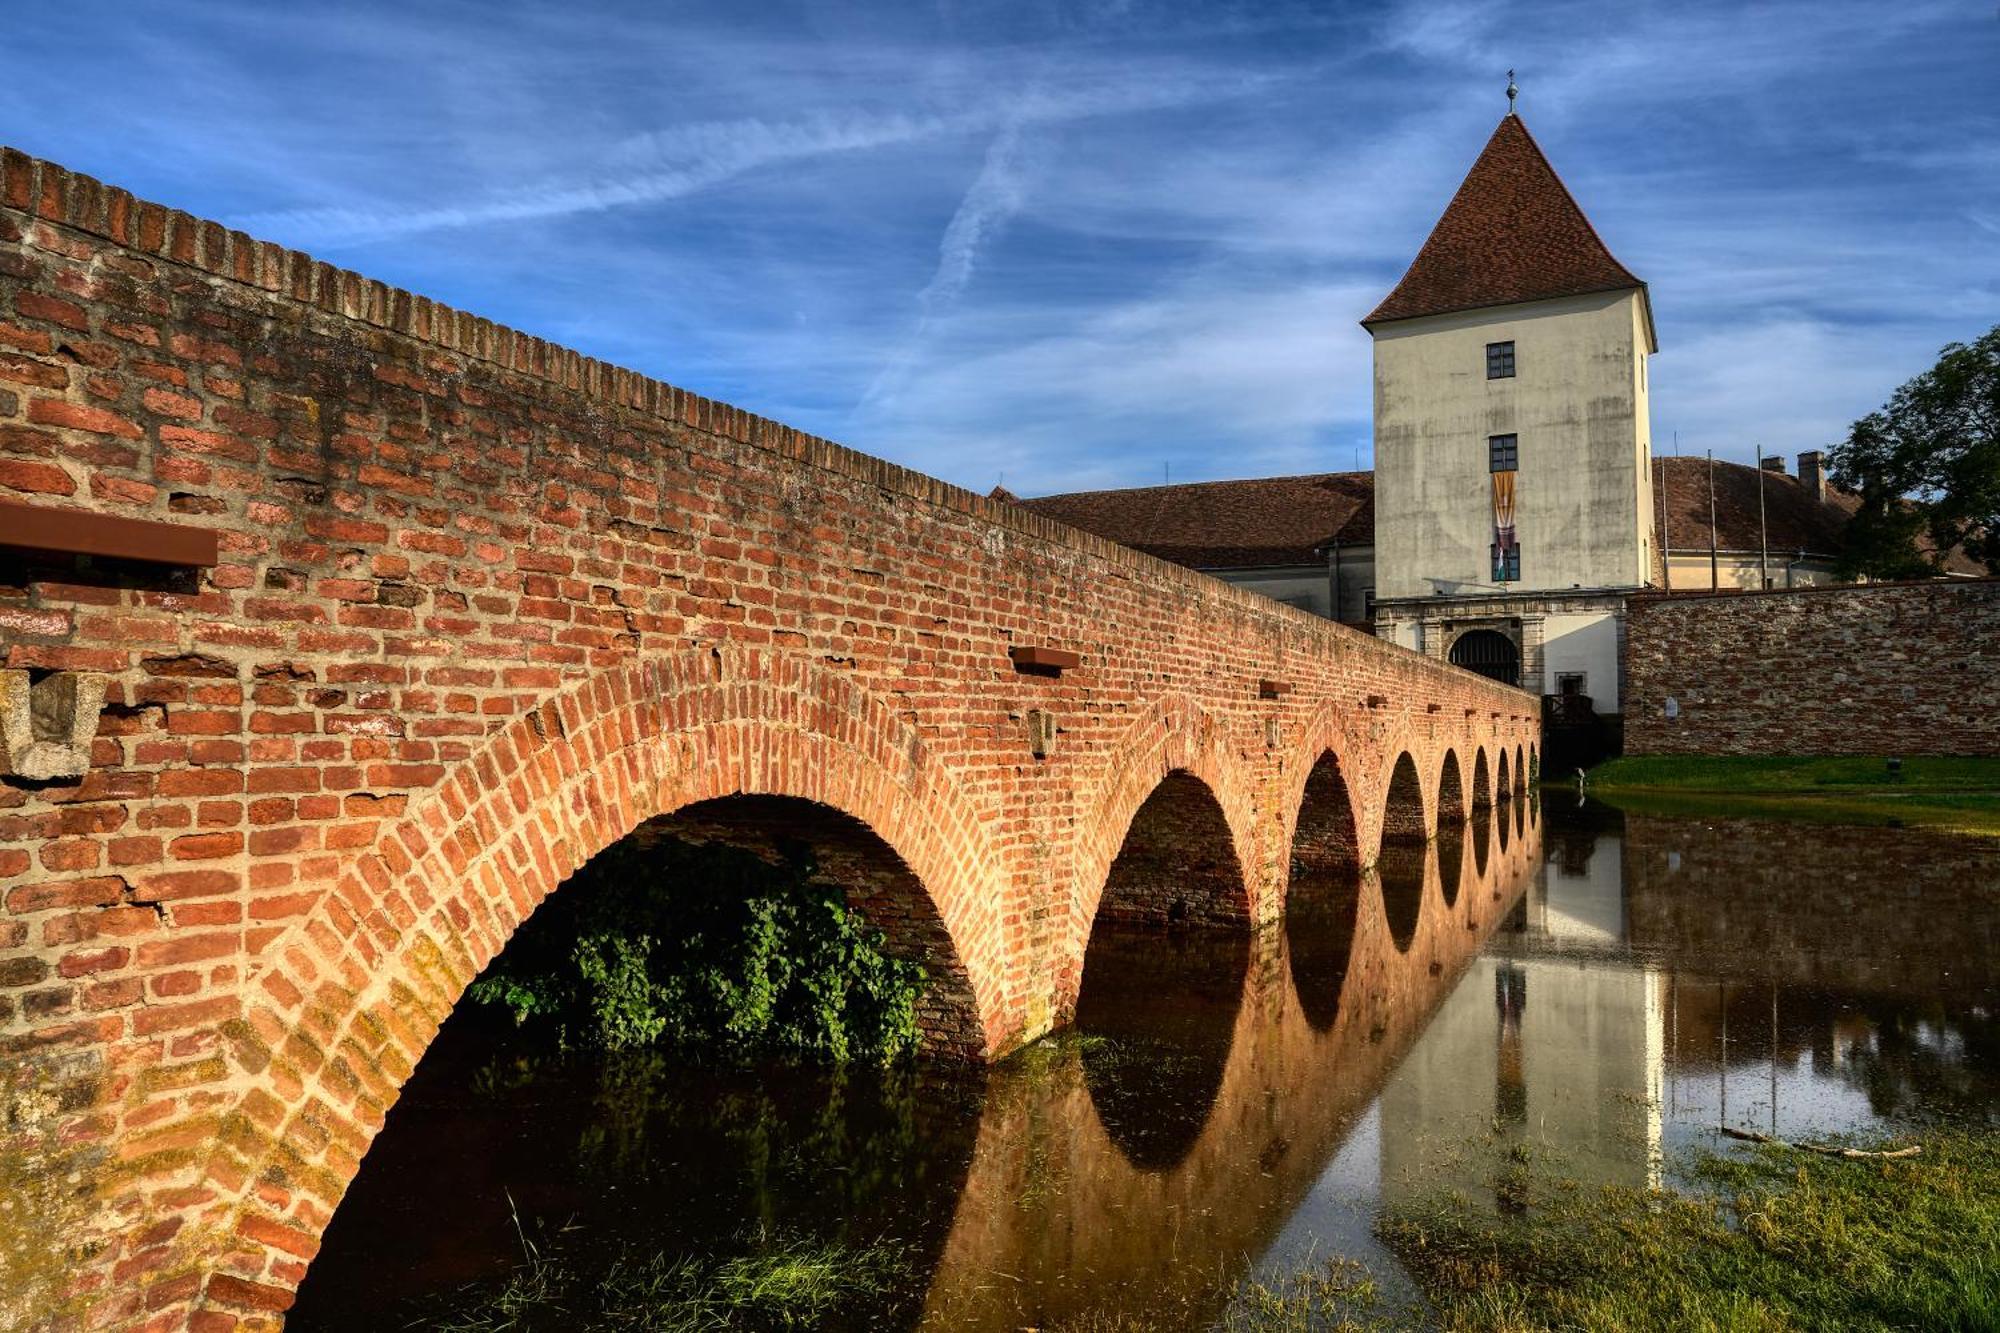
[[1927, 466]]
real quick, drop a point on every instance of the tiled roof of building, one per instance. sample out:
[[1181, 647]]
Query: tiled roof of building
[[1228, 524], [1512, 233], [1275, 521], [1793, 518]]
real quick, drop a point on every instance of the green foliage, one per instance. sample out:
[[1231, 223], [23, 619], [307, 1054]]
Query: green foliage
[[1775, 1239], [708, 948], [1928, 465]]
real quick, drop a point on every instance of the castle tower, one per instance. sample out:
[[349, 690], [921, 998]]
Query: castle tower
[[1512, 482]]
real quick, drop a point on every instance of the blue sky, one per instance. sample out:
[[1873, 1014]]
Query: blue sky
[[1069, 244]]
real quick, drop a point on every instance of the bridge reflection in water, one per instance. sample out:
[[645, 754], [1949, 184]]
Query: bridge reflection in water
[[1229, 1104]]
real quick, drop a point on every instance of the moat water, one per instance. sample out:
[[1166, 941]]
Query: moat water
[[1607, 989]]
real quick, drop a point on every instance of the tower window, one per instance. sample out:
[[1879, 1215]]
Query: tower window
[[1500, 361], [1504, 451], [1506, 563]]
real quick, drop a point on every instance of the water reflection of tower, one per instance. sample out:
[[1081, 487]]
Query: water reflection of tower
[[1510, 1083], [1579, 1070]]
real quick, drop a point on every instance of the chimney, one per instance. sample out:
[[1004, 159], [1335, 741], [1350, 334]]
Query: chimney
[[1775, 463], [1812, 479]]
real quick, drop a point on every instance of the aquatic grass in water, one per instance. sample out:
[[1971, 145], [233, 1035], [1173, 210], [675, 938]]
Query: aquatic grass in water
[[1777, 1239], [794, 1283]]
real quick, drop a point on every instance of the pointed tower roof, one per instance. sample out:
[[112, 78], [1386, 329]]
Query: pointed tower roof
[[1512, 233]]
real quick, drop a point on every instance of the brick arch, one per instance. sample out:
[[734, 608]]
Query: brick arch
[[349, 1001], [1450, 802], [1176, 735], [1482, 780], [1327, 735], [1406, 806]]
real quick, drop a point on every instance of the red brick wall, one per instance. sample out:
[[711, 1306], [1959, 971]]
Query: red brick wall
[[1878, 669], [483, 607]]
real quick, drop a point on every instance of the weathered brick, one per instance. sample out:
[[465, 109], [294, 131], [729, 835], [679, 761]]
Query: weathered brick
[[478, 614]]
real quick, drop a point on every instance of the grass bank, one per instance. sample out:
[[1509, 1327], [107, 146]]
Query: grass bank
[[1951, 794], [1772, 1238]]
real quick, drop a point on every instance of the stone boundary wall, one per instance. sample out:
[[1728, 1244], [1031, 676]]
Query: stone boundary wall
[[1870, 669]]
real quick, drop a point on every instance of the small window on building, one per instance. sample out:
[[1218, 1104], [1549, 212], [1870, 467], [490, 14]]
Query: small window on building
[[1500, 361], [1506, 564], [1570, 683], [1504, 451], [1367, 603]]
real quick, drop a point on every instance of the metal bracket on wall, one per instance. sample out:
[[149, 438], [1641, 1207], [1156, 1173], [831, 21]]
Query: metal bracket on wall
[[47, 725]]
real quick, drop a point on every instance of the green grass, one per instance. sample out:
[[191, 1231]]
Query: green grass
[[1946, 793], [1772, 1239], [783, 1285]]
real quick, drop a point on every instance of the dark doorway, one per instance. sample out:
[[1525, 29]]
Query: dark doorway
[[1490, 653]]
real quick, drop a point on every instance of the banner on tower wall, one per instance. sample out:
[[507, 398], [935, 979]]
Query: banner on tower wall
[[1506, 550]]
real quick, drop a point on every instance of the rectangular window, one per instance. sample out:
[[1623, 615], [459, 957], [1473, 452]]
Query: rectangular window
[[1500, 361], [1506, 563], [1504, 452], [1367, 603]]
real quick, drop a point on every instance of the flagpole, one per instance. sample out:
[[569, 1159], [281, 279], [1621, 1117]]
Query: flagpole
[[1714, 564], [1763, 530]]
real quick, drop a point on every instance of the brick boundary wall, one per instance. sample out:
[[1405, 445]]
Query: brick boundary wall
[[483, 606], [1870, 669]]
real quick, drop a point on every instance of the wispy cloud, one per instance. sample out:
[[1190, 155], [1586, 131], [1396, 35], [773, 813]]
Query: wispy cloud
[[1071, 241], [666, 164]]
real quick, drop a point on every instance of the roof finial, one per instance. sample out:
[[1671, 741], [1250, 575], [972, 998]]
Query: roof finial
[[1512, 92]]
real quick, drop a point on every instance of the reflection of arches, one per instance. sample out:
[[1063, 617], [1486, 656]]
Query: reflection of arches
[[1489, 653], [1403, 808], [1178, 865], [1324, 895], [1400, 872], [1482, 781], [1158, 1014], [411, 922]]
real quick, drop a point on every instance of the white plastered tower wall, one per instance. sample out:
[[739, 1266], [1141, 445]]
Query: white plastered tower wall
[[1513, 260], [1577, 405]]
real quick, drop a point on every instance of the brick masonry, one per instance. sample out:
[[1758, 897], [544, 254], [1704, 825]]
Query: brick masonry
[[1876, 669], [483, 607]]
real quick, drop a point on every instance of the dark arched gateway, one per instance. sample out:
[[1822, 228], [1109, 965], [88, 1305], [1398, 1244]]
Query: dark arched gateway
[[1490, 653]]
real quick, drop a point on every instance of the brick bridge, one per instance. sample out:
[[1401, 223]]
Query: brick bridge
[[364, 622]]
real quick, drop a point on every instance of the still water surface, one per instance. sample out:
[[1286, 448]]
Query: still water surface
[[1607, 989]]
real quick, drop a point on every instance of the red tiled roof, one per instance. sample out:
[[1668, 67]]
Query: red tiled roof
[[1512, 233], [1794, 520], [1274, 521], [1228, 524]]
